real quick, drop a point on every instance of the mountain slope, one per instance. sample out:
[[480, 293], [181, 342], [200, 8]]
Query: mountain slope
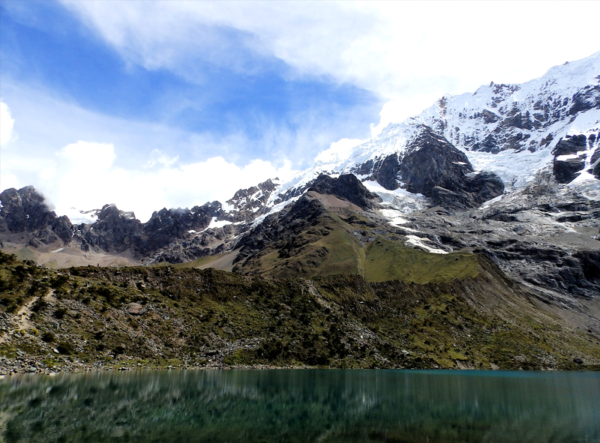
[[106, 318]]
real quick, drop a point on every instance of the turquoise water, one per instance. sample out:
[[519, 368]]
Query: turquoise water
[[302, 406]]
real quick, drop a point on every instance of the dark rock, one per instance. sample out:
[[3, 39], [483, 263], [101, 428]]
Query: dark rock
[[432, 161], [595, 162], [489, 117], [435, 168], [347, 187], [586, 99], [24, 210], [570, 145], [448, 199], [282, 229], [63, 228], [485, 185], [565, 171], [578, 361], [386, 172], [113, 231]]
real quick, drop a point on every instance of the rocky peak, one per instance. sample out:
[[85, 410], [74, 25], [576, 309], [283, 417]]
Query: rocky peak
[[430, 165], [519, 117], [251, 202], [347, 187], [114, 231], [24, 210]]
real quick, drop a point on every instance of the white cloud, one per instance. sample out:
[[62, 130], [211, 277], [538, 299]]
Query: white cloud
[[84, 176], [157, 157], [398, 50], [338, 151], [399, 109], [6, 124]]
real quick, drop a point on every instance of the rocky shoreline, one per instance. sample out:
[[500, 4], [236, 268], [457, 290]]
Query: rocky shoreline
[[36, 366]]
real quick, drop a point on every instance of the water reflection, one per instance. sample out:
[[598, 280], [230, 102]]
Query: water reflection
[[302, 406]]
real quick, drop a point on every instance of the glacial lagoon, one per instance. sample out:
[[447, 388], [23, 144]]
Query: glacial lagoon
[[325, 406]]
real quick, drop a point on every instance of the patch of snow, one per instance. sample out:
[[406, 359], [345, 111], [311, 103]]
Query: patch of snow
[[566, 157], [413, 240], [57, 250], [394, 216], [276, 208], [491, 202], [77, 216], [214, 223], [516, 169], [227, 207], [398, 199]]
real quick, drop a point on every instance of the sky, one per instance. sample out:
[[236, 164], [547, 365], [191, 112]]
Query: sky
[[152, 104]]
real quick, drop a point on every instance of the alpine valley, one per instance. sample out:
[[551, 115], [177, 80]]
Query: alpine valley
[[464, 237]]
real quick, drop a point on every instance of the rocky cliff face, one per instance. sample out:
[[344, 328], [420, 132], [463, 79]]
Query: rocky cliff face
[[24, 210], [433, 167], [171, 235]]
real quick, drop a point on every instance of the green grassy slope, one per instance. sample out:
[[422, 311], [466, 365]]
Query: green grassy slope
[[331, 247], [139, 317], [389, 260]]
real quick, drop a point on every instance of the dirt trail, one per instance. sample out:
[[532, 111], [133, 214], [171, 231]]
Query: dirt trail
[[20, 320]]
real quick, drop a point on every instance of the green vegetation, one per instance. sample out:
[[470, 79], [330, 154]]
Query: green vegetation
[[326, 250], [388, 260], [198, 263], [331, 248], [165, 316]]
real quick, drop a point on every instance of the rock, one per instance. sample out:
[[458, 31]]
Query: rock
[[113, 231], [135, 309], [435, 168], [595, 162], [250, 202], [578, 361], [347, 187], [570, 145], [565, 171], [586, 99], [25, 210]]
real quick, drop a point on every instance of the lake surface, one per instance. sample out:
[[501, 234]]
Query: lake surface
[[302, 406]]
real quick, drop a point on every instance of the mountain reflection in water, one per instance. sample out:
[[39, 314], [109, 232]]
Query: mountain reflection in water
[[302, 406]]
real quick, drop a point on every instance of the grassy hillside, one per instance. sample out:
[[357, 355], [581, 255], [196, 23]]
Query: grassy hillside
[[387, 260], [138, 317], [346, 241]]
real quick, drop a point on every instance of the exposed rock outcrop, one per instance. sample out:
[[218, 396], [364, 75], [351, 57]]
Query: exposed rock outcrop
[[347, 187], [433, 167], [24, 210]]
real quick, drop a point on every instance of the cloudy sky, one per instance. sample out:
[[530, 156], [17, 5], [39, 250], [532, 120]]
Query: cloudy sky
[[171, 104]]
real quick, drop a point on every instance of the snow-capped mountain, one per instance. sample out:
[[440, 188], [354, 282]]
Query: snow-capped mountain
[[511, 130], [511, 171]]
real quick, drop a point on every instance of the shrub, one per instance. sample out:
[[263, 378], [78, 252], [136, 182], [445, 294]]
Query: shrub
[[48, 337]]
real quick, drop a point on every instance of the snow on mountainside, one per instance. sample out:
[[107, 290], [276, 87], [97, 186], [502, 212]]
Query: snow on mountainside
[[507, 129], [510, 130]]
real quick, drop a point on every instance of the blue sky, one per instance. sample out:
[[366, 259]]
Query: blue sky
[[45, 45], [149, 104]]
